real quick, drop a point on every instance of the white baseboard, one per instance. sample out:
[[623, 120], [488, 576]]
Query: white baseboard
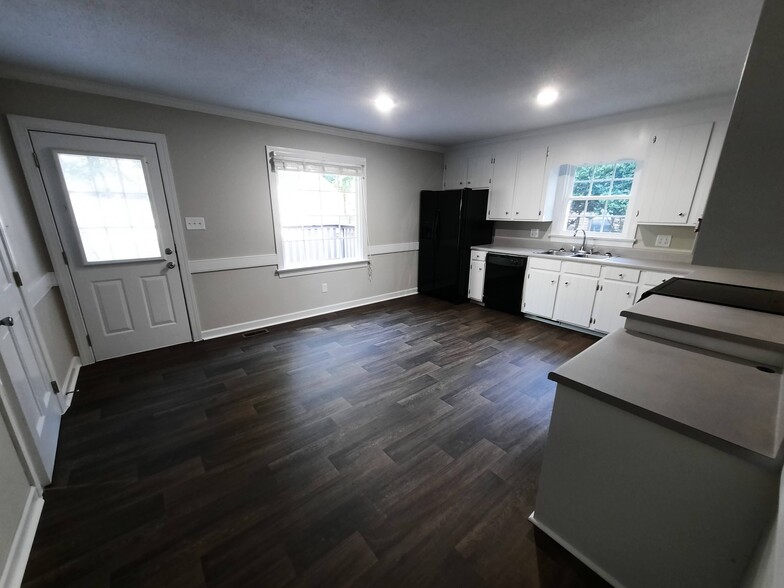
[[23, 541], [69, 383], [575, 552], [295, 316]]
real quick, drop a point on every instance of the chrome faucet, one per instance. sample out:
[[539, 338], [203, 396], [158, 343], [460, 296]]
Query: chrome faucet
[[582, 247]]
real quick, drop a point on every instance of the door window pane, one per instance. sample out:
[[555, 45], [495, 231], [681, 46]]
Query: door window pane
[[111, 207]]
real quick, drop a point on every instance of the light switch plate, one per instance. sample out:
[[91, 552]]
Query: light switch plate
[[534, 233], [195, 223], [663, 240], [323, 287]]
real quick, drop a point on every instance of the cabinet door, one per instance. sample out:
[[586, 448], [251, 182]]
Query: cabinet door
[[499, 204], [476, 281], [574, 302], [539, 292], [611, 299], [455, 172], [671, 173], [529, 187], [480, 172]]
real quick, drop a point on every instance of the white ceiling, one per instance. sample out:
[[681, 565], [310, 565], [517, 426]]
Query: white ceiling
[[460, 70]]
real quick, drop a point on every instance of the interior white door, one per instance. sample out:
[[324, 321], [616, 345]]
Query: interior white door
[[110, 209], [23, 382]]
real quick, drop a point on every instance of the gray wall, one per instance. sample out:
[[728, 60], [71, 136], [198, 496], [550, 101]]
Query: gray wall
[[743, 222], [219, 167]]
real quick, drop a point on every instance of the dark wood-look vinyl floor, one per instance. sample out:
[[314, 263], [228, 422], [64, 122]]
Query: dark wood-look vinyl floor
[[397, 444]]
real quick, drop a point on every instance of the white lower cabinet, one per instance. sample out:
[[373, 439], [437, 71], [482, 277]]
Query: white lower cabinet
[[476, 280], [649, 280], [617, 292], [541, 287], [611, 299], [574, 302]]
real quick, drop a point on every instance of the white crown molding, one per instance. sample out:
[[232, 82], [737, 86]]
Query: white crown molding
[[295, 316], [717, 101], [101, 89]]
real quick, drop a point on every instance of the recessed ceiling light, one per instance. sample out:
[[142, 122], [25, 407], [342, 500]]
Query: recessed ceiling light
[[547, 96], [384, 102]]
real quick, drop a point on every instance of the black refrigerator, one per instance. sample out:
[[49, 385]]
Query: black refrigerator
[[450, 222]]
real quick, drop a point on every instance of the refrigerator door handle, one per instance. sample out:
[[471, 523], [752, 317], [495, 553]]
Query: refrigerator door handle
[[436, 229]]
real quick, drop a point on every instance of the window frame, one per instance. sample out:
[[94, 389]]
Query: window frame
[[362, 221], [565, 198]]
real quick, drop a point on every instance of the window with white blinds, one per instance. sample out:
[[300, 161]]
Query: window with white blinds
[[318, 208]]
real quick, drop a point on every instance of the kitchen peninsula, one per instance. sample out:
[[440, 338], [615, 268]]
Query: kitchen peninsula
[[664, 452]]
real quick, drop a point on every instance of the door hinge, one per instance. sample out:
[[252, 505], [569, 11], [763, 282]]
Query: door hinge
[[35, 158], [597, 287], [699, 225], [65, 258], [17, 279], [55, 387], [654, 139], [548, 152], [89, 341]]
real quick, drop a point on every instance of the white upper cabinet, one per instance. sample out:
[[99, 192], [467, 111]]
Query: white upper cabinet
[[529, 193], [671, 174], [480, 172], [455, 171], [518, 191], [502, 190]]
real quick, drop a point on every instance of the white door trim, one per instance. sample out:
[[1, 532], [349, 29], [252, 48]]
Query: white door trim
[[20, 129]]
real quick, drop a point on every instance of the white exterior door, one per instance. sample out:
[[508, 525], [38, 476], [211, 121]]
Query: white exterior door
[[109, 205], [24, 386]]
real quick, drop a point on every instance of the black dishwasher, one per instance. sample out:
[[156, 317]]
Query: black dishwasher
[[504, 282]]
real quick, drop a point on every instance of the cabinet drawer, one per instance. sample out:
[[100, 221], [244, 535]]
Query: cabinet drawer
[[621, 274], [655, 278], [553, 265], [478, 255], [582, 269]]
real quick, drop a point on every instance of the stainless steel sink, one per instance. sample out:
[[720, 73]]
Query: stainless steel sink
[[557, 253], [592, 255]]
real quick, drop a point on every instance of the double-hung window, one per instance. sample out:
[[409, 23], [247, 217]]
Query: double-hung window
[[318, 204], [598, 197]]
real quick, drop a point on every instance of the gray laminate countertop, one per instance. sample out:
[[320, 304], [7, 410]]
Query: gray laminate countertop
[[629, 262], [730, 404]]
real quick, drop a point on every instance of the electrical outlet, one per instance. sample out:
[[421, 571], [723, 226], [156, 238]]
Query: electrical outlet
[[534, 233], [195, 223], [323, 287], [663, 240]]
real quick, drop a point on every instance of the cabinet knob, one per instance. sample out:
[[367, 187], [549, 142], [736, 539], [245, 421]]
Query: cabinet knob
[[518, 212], [628, 294], [469, 183], [681, 214], [620, 275], [552, 281], [506, 213], [566, 283]]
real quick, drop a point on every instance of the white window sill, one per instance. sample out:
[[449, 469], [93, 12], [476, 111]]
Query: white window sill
[[320, 269], [594, 239]]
